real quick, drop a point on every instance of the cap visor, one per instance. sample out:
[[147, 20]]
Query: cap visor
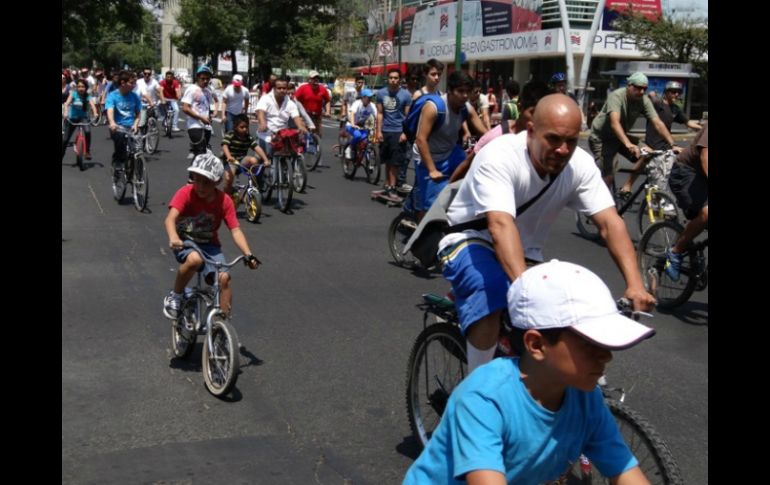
[[613, 332], [200, 172]]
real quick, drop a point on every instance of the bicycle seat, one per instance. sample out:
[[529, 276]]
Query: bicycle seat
[[439, 301]]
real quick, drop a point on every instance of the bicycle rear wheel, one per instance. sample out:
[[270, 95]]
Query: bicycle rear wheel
[[153, 135], [349, 166], [299, 173], [253, 204], [183, 334], [140, 182], [315, 158], [400, 230], [663, 209], [651, 256], [586, 227], [267, 179], [436, 366], [285, 184], [221, 362], [372, 164]]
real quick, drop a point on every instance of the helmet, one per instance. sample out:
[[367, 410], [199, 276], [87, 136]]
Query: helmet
[[204, 69], [558, 77], [366, 92], [673, 86], [208, 165]]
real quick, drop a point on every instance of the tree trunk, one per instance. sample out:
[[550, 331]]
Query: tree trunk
[[235, 66]]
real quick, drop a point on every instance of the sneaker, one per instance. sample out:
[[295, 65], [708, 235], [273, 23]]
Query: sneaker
[[393, 195], [171, 306], [673, 264], [175, 130], [405, 188]]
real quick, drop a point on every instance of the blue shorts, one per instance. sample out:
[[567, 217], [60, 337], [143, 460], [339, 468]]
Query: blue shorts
[[478, 281], [212, 252], [428, 189]]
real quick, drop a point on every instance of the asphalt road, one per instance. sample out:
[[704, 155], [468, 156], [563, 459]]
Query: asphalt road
[[327, 324]]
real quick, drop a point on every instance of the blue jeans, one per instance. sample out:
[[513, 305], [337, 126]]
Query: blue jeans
[[174, 108]]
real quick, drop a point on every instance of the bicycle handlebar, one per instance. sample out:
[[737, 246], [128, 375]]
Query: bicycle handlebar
[[626, 308], [191, 244]]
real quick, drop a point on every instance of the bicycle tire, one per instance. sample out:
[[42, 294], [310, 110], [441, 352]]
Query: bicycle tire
[[285, 185], [586, 227], [349, 166], [299, 173], [253, 202], [183, 334], [140, 182], [372, 164], [400, 230], [152, 137], [80, 149], [664, 209], [425, 407], [267, 179], [315, 158], [651, 258], [119, 183], [220, 369]]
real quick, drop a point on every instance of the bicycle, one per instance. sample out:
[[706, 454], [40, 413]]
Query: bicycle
[[200, 313], [168, 119], [278, 176], [651, 255], [135, 171], [80, 143], [438, 363], [367, 156], [313, 149], [248, 192], [151, 131], [656, 205], [400, 231]]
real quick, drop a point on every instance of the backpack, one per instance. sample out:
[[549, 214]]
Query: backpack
[[412, 120], [512, 109]]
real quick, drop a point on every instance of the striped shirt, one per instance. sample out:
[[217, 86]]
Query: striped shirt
[[239, 147]]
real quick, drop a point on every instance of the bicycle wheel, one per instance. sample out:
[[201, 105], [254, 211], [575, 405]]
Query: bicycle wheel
[[285, 185], [349, 166], [299, 173], [253, 205], [119, 183], [268, 180], [651, 256], [221, 363], [80, 149], [183, 334], [586, 227], [437, 364], [372, 164], [140, 182], [663, 209], [153, 135], [315, 158], [400, 230]]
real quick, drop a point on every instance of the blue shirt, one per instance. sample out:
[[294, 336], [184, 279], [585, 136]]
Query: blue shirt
[[78, 107], [492, 423], [125, 107], [394, 108]]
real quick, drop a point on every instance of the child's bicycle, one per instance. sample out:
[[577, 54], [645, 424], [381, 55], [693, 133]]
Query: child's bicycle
[[80, 143], [200, 314], [248, 192], [437, 364]]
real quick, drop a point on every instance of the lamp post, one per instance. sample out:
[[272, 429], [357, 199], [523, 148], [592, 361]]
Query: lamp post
[[459, 36]]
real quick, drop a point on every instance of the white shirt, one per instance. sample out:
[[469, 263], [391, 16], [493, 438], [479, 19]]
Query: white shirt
[[277, 117], [149, 89], [234, 99], [200, 102], [502, 178], [357, 105]]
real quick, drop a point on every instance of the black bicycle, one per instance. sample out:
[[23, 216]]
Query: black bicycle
[[438, 363], [151, 131], [135, 171]]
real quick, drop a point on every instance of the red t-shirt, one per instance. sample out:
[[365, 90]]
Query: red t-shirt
[[199, 220], [266, 87], [169, 92], [312, 101]]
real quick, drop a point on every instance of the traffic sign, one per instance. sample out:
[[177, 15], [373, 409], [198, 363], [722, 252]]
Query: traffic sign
[[385, 48]]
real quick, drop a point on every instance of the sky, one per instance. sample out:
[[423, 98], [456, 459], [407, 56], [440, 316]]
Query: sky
[[691, 8]]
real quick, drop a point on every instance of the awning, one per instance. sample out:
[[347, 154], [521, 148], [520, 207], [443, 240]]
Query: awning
[[377, 68]]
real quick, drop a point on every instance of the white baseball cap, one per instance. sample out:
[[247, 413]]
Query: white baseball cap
[[312, 74], [558, 294], [237, 80]]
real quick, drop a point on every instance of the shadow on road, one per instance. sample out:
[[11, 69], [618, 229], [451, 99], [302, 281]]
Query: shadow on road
[[691, 312], [409, 447]]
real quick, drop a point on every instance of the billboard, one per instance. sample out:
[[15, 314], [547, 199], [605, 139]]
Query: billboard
[[614, 8]]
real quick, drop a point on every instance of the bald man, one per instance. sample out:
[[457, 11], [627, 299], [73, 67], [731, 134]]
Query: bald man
[[507, 175]]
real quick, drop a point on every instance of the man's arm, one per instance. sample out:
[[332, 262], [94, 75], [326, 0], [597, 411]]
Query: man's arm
[[704, 160], [261, 121], [507, 242], [633, 476], [617, 128], [428, 117], [475, 122], [663, 131], [485, 477], [694, 125], [614, 232], [380, 111], [300, 124]]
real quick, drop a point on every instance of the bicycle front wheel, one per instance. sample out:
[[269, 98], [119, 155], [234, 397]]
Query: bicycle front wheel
[[267, 180], [299, 173], [119, 183], [436, 366], [183, 334], [315, 158], [586, 227], [285, 185], [220, 362], [153, 135], [651, 256], [140, 182], [662, 208], [253, 201], [400, 230], [372, 164]]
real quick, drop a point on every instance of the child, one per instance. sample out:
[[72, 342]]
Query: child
[[235, 146], [526, 420], [195, 212], [76, 108]]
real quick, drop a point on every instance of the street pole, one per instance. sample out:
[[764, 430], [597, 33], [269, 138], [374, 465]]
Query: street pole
[[584, 67], [399, 34], [459, 36], [568, 46]]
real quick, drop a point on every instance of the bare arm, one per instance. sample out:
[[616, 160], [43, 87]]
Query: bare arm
[[300, 124], [704, 160], [380, 111], [174, 241], [507, 241], [661, 128], [240, 241], [462, 169], [633, 476], [261, 121], [475, 122], [226, 153], [428, 117], [694, 125], [485, 477], [617, 128], [67, 104], [615, 234]]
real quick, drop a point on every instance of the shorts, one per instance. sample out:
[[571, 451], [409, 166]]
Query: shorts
[[605, 152], [212, 252], [478, 281], [393, 152], [691, 189], [428, 190]]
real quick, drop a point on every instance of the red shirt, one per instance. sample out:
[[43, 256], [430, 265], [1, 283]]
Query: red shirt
[[169, 92], [199, 220], [266, 87], [312, 101]]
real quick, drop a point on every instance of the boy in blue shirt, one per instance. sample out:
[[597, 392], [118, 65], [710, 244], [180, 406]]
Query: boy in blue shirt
[[526, 420]]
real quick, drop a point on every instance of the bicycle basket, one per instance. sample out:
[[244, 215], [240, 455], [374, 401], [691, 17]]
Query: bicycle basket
[[287, 142]]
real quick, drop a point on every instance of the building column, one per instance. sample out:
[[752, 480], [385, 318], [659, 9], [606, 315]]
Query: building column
[[521, 70]]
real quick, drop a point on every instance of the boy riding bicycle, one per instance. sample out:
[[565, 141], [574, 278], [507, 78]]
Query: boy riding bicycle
[[235, 147], [527, 419], [195, 212]]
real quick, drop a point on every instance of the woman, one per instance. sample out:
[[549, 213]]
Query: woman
[[75, 107]]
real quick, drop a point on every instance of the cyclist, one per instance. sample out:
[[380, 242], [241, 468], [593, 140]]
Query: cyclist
[[75, 107], [480, 103], [235, 100], [350, 97], [170, 92], [235, 147], [609, 130], [148, 88], [360, 112], [510, 108], [123, 108], [274, 110], [559, 84], [689, 183], [305, 117], [507, 174], [315, 98], [196, 104], [528, 419], [195, 212]]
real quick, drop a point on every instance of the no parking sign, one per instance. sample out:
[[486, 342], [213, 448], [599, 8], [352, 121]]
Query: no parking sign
[[385, 48]]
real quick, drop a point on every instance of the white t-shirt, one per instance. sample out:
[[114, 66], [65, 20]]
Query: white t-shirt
[[277, 117], [234, 99], [200, 102], [369, 110], [149, 89], [502, 178]]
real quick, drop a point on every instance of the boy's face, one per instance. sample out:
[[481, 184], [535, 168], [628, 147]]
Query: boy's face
[[204, 187], [457, 97], [241, 129], [431, 79], [575, 361]]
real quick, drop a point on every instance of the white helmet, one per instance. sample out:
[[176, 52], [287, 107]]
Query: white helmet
[[208, 165], [674, 86]]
